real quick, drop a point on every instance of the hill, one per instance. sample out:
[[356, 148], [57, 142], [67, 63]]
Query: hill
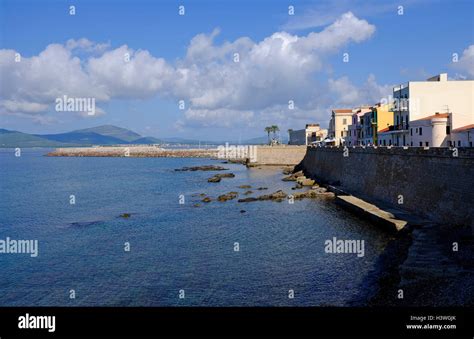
[[83, 138], [12, 139], [112, 131]]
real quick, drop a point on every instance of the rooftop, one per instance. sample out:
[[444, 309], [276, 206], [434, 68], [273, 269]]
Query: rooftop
[[342, 110], [463, 128], [435, 116]]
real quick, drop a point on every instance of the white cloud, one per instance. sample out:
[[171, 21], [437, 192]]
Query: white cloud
[[465, 63], [86, 46], [348, 94], [217, 90]]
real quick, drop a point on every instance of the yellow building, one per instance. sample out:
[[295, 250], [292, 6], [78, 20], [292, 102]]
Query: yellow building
[[382, 118]]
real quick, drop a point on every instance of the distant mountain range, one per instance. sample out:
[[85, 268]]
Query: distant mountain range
[[100, 135]]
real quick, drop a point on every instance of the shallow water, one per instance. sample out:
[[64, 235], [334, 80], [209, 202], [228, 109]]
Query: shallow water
[[173, 246]]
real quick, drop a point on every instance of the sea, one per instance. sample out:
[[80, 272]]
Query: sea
[[135, 232]]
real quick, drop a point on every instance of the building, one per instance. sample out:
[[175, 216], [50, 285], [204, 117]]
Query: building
[[431, 131], [367, 122], [339, 125], [463, 136], [381, 119], [354, 129], [312, 133], [413, 100]]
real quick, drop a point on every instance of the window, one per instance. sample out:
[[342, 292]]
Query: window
[[427, 144], [411, 131], [390, 142], [421, 144], [411, 143], [398, 119], [342, 133], [421, 131], [344, 121], [459, 143], [448, 130], [416, 130]]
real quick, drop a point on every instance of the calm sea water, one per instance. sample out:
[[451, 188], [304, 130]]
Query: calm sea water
[[172, 246]]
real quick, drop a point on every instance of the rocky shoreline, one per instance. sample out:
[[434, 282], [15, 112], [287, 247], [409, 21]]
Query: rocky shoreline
[[423, 264], [418, 261]]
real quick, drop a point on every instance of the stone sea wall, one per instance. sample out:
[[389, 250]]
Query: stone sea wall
[[279, 155], [432, 183]]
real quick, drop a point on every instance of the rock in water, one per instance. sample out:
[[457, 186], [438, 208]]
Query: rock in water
[[202, 168], [218, 177], [276, 196], [293, 177], [305, 181], [227, 196]]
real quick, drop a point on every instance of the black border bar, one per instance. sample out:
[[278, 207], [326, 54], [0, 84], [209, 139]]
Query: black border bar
[[241, 321]]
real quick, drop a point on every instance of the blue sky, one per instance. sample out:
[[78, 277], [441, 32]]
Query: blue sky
[[223, 101]]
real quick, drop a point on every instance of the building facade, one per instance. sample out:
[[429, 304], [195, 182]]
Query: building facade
[[339, 125], [432, 131], [312, 133], [463, 136], [367, 122], [418, 99]]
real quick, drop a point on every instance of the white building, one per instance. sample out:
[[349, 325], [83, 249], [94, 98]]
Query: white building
[[431, 131], [418, 99], [463, 136], [312, 133]]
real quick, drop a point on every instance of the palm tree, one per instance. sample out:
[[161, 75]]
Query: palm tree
[[275, 129], [268, 130]]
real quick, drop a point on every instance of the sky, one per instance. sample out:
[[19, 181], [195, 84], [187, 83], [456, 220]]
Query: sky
[[225, 69]]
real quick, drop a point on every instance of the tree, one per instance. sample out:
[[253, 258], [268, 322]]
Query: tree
[[268, 130], [275, 129]]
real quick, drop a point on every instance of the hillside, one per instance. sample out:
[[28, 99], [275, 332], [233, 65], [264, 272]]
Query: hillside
[[12, 139], [112, 131], [83, 138]]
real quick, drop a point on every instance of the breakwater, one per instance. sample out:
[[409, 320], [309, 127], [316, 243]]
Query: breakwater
[[435, 183], [133, 151]]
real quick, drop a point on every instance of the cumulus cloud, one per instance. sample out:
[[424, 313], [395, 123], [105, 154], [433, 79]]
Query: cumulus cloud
[[235, 82], [349, 94], [465, 63]]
